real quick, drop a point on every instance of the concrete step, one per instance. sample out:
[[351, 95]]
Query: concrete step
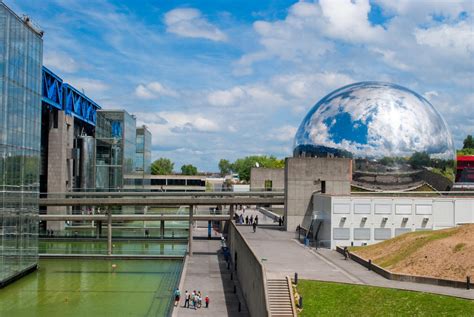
[[279, 298]]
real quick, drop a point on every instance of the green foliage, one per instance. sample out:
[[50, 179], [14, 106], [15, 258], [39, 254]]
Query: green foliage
[[466, 152], [189, 170], [225, 167], [334, 299], [162, 166], [243, 166], [419, 159], [468, 142]]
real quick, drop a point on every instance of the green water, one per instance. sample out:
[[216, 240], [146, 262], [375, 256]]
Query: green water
[[119, 247], [92, 288]]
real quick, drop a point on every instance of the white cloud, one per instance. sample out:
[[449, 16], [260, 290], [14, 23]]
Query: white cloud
[[254, 95], [167, 123], [456, 39], [60, 62], [390, 58], [285, 133], [348, 20], [88, 85], [189, 22], [225, 98], [154, 90], [306, 34]]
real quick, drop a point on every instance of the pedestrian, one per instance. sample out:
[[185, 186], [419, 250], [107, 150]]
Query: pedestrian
[[186, 299], [256, 219], [207, 301], [147, 233], [251, 219], [177, 296], [280, 221], [193, 303], [196, 301], [254, 225], [199, 299], [247, 220]]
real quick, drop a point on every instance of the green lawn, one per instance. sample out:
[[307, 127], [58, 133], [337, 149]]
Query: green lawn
[[334, 299]]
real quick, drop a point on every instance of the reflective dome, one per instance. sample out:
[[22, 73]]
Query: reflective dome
[[380, 124]]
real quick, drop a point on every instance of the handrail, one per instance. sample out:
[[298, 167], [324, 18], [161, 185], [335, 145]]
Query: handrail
[[164, 194]]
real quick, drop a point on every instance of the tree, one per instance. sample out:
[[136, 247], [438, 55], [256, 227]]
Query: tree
[[243, 166], [225, 167], [468, 142], [419, 159], [189, 170], [162, 166]]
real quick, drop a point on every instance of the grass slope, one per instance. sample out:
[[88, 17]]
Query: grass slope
[[445, 253], [334, 299]]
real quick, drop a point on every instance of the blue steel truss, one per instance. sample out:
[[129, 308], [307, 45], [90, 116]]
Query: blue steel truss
[[79, 105], [52, 89], [63, 96]]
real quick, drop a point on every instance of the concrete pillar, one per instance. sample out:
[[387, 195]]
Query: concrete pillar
[[162, 229], [190, 245], [231, 212], [98, 225], [109, 232], [60, 143]]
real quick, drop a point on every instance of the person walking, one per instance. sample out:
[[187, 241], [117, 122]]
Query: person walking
[[196, 301], [247, 220], [254, 225], [177, 296], [199, 299], [207, 301], [251, 219], [186, 299], [256, 219]]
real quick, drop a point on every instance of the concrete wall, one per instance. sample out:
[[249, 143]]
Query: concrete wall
[[258, 176], [371, 219], [60, 144], [303, 177], [250, 273]]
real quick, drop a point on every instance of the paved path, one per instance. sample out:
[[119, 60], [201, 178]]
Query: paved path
[[282, 255], [206, 271]]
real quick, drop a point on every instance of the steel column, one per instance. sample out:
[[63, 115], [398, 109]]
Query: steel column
[[109, 232], [191, 213]]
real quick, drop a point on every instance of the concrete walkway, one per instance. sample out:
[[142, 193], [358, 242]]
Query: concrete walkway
[[206, 271], [283, 255]]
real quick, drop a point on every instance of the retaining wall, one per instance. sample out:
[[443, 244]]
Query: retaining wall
[[404, 277], [250, 273]]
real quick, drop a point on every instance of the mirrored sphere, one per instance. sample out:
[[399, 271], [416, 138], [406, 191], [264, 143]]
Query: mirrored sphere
[[378, 123]]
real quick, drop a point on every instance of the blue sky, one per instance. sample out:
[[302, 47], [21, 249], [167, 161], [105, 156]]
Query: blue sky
[[226, 79]]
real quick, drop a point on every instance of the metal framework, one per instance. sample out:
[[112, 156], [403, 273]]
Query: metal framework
[[52, 89], [63, 96], [79, 105]]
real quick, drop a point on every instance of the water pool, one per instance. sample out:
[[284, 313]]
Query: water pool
[[63, 287]]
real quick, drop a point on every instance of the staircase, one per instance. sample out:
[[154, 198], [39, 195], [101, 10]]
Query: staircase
[[280, 298]]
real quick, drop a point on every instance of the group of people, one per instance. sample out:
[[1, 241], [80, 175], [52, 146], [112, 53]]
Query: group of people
[[191, 300]]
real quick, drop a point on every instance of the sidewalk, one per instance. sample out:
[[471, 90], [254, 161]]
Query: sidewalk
[[282, 255], [206, 271]]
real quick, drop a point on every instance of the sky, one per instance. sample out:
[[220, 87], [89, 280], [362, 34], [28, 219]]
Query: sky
[[217, 79]]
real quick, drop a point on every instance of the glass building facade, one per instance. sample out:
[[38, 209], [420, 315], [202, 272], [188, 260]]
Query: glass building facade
[[143, 154], [21, 51], [115, 148]]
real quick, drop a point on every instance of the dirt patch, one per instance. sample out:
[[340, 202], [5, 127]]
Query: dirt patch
[[447, 254]]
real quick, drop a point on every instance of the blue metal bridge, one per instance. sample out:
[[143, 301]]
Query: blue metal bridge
[[62, 96]]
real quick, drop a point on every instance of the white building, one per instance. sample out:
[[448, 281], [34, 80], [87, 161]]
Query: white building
[[359, 219]]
